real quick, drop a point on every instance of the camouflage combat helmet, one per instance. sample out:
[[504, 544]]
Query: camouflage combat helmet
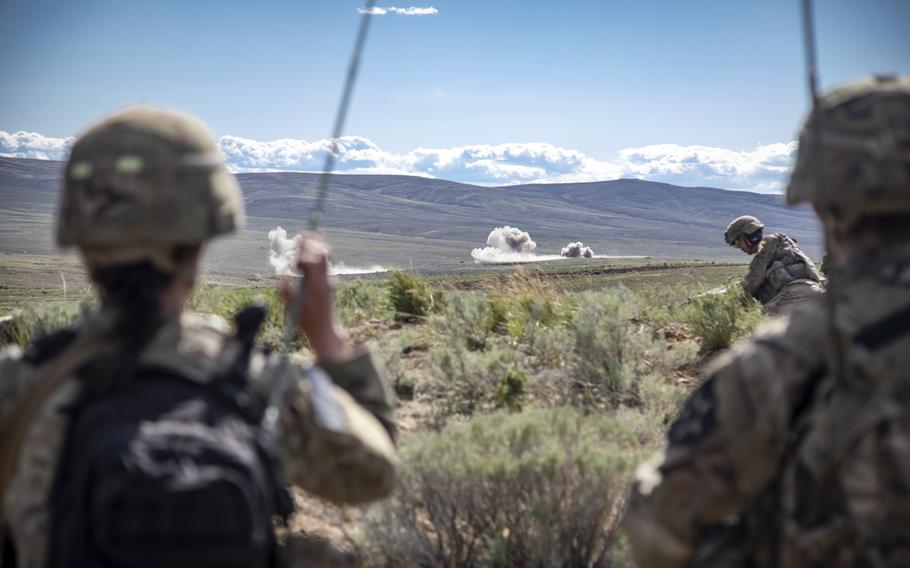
[[862, 164], [142, 181], [745, 225]]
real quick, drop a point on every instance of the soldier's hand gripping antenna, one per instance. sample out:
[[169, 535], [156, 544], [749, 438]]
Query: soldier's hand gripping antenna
[[326, 411]]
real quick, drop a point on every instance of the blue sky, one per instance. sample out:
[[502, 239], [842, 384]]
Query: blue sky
[[499, 91]]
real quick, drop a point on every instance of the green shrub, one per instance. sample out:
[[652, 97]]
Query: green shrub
[[607, 343], [619, 361], [533, 313], [405, 384], [409, 295], [360, 301], [466, 319], [718, 319], [537, 488], [27, 325], [468, 380], [226, 302], [511, 389], [499, 314], [551, 347], [403, 380]]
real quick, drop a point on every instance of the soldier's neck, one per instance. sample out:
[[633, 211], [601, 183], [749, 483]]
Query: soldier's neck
[[174, 298]]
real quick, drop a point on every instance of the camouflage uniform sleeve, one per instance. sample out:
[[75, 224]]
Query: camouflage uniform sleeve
[[362, 378], [823, 267], [723, 449], [12, 382], [815, 272], [758, 268], [357, 466]]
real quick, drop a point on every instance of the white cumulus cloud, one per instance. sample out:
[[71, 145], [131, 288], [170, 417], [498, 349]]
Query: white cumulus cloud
[[410, 11], [764, 168], [23, 144]]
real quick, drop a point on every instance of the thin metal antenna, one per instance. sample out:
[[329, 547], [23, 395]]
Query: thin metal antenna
[[812, 80], [815, 139], [326, 411], [317, 214], [809, 46]]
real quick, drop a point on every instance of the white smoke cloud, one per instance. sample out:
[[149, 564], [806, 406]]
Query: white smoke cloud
[[344, 269], [511, 239], [577, 250], [410, 11], [283, 251], [763, 169], [23, 144], [509, 244]]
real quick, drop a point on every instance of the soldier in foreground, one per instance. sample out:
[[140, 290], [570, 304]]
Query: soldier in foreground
[[780, 275], [133, 438], [796, 449]]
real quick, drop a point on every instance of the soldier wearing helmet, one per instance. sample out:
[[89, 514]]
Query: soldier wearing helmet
[[794, 451], [781, 276], [144, 191]]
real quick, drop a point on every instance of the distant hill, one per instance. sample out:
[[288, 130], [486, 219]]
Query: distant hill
[[403, 219]]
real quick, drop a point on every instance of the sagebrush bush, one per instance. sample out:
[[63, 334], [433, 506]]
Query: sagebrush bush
[[551, 347], [511, 389], [403, 380], [467, 319], [360, 301], [537, 488], [533, 313], [619, 361], [409, 295], [718, 319], [607, 343], [467, 380], [499, 314], [522, 303]]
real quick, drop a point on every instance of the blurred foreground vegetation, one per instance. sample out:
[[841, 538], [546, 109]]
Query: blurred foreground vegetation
[[527, 399]]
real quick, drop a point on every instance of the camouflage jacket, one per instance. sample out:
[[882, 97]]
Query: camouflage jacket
[[354, 470], [778, 459], [778, 264]]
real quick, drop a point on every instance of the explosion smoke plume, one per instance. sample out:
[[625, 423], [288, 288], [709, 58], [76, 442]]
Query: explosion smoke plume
[[511, 239], [508, 244], [283, 250], [577, 250]]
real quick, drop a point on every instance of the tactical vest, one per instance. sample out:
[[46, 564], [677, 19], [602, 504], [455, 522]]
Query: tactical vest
[[166, 471], [842, 497], [161, 469], [789, 265]]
